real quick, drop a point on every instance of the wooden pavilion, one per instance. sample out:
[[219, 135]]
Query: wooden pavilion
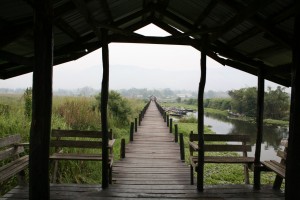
[[255, 36]]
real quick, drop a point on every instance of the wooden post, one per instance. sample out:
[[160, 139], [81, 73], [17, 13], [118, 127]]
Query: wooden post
[[200, 172], [41, 102], [259, 124], [135, 124], [293, 156], [176, 133], [131, 131], [182, 153], [104, 101], [168, 120], [165, 116], [140, 119], [171, 125], [122, 153]]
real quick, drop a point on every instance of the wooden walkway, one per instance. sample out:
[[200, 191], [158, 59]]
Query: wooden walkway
[[152, 169]]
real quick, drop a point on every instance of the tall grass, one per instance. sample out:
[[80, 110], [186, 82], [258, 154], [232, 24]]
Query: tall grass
[[80, 113]]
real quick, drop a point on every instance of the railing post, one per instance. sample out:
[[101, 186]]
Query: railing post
[[165, 116], [122, 153], [131, 131], [171, 125], [176, 133], [135, 124], [140, 119], [168, 121], [182, 154]]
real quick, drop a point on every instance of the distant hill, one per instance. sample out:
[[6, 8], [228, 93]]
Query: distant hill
[[142, 93]]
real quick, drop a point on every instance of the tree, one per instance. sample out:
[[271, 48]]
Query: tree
[[277, 103], [118, 107]]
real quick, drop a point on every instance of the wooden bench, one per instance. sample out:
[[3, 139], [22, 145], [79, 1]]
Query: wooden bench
[[11, 149], [79, 140], [277, 167], [215, 143]]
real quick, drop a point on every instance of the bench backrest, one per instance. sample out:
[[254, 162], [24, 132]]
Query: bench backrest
[[282, 153], [77, 139], [214, 143], [8, 149]]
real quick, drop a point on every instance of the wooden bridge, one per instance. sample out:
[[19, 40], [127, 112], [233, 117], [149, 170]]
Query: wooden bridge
[[152, 169]]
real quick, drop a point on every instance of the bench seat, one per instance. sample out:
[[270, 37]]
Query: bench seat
[[224, 159], [13, 168], [275, 166]]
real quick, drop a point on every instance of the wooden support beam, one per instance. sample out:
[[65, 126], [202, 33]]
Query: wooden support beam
[[66, 28], [83, 9], [212, 4], [105, 7], [293, 156], [103, 108], [200, 172], [151, 40], [41, 102], [17, 59], [259, 127]]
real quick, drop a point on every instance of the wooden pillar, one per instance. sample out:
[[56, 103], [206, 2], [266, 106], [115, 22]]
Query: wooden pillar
[[104, 101], [200, 172], [171, 125], [135, 124], [41, 102], [293, 156], [259, 125], [131, 131], [176, 133]]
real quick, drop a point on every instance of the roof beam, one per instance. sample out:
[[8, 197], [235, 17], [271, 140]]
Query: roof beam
[[283, 15], [212, 4], [107, 10], [83, 10], [151, 40], [13, 58], [278, 35], [66, 28], [243, 14]]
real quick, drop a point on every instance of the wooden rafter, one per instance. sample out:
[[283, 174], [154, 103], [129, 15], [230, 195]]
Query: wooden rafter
[[255, 30], [66, 28], [241, 16], [107, 10], [83, 10], [205, 12], [13, 58]]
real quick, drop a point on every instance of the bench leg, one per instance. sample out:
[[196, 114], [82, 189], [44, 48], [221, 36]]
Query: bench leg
[[54, 176], [246, 174], [192, 174], [277, 182], [110, 174], [21, 178]]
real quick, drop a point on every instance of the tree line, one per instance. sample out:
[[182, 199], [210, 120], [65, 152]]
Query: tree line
[[244, 102]]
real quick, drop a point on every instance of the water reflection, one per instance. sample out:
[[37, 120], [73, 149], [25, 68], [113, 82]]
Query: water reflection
[[271, 138]]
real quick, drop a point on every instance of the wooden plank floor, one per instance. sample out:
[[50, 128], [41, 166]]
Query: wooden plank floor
[[152, 169]]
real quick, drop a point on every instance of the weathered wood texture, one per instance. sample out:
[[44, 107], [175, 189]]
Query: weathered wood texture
[[151, 169], [11, 163]]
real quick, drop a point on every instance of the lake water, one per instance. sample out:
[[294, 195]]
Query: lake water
[[271, 136]]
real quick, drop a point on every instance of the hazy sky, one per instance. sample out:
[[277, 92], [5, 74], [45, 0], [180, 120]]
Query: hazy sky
[[143, 66]]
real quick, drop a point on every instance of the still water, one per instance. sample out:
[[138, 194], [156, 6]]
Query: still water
[[271, 136]]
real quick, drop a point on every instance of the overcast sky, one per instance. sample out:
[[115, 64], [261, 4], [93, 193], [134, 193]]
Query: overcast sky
[[143, 66]]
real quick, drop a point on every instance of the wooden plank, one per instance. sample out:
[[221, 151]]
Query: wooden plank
[[9, 140], [76, 144], [227, 147], [77, 133], [11, 152], [222, 138]]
